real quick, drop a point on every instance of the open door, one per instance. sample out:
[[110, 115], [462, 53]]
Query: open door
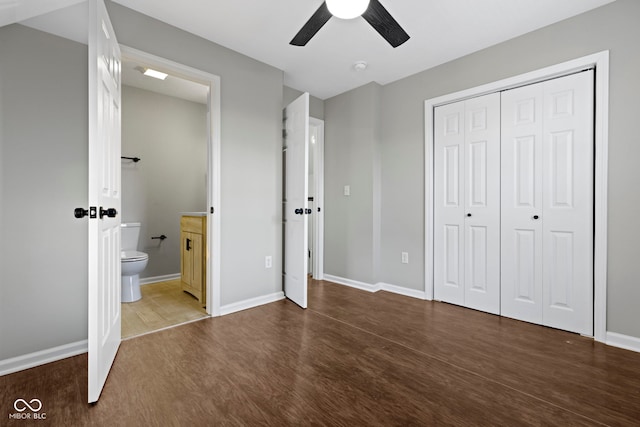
[[104, 197], [296, 190]]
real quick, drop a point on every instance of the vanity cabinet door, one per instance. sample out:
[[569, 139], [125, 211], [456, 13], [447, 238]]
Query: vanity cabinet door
[[192, 256]]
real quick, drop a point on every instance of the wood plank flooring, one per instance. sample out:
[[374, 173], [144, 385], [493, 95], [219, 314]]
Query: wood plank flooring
[[351, 359], [162, 304]]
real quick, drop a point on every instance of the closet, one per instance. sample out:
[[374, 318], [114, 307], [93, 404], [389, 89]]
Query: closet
[[513, 199]]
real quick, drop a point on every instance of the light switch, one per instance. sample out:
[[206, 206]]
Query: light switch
[[347, 190]]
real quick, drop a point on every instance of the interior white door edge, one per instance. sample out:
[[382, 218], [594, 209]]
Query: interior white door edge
[[599, 61]]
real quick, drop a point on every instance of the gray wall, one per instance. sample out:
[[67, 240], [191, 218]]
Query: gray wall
[[251, 152], [43, 165], [351, 150], [170, 136], [316, 105], [44, 174], [613, 27]]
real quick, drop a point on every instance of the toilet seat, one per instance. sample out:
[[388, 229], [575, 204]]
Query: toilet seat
[[132, 256]]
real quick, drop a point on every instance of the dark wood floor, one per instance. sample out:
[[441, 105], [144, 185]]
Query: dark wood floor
[[353, 358]]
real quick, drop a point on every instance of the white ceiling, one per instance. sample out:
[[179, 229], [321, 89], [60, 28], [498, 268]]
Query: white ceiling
[[171, 86], [440, 30]]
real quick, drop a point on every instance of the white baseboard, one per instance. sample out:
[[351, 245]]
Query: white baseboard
[[352, 283], [156, 279], [380, 286], [26, 361], [413, 293], [623, 341], [250, 303]]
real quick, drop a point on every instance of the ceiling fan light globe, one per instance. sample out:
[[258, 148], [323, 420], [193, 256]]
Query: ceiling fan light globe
[[347, 9]]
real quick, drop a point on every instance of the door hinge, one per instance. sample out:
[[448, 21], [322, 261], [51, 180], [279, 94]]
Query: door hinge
[[284, 133], [211, 210]]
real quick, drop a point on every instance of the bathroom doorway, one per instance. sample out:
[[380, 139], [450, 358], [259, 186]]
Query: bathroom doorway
[[170, 149]]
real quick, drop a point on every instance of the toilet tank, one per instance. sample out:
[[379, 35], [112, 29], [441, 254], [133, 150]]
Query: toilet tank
[[130, 235]]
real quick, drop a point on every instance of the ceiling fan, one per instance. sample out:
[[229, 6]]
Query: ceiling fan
[[371, 10]]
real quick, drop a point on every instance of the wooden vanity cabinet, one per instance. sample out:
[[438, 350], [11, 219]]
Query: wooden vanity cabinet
[[193, 234]]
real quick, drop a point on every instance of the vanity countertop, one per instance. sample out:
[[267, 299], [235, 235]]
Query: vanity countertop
[[193, 213]]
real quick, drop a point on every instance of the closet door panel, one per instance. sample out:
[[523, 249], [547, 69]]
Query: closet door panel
[[449, 203], [482, 203], [567, 214], [521, 203]]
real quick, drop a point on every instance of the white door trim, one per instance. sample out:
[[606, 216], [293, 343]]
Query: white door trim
[[598, 60], [318, 194], [213, 167]]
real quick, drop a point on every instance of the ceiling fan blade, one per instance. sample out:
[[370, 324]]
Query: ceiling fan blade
[[382, 21], [317, 20]]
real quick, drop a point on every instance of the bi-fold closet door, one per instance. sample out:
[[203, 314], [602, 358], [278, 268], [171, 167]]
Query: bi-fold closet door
[[538, 170], [467, 203]]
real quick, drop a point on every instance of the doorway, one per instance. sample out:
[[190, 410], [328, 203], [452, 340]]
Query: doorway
[[163, 176], [193, 81], [316, 198]]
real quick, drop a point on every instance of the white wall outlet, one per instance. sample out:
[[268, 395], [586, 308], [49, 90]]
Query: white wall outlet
[[268, 261], [405, 257], [347, 190]]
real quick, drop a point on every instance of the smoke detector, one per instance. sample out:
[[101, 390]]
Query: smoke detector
[[360, 66]]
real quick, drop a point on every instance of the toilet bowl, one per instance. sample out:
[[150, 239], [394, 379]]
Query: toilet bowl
[[132, 262]]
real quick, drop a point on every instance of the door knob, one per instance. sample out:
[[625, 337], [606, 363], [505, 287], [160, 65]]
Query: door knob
[[536, 217], [111, 212], [468, 214], [299, 211], [80, 212]]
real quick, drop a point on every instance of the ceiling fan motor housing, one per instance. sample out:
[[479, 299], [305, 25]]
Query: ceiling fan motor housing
[[347, 9]]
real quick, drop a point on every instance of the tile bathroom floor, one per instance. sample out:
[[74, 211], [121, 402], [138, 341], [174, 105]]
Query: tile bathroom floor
[[163, 304]]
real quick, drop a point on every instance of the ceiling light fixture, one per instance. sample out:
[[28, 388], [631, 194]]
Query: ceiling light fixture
[[347, 9], [155, 74]]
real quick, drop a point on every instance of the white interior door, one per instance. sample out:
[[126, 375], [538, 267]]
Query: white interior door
[[547, 203], [448, 267], [482, 203], [567, 203], [295, 211], [104, 194], [521, 293], [467, 203]]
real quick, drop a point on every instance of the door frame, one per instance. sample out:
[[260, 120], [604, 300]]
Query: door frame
[[318, 200], [599, 61], [213, 247]]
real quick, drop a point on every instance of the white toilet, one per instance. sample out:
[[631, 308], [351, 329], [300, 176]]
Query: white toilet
[[132, 262]]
